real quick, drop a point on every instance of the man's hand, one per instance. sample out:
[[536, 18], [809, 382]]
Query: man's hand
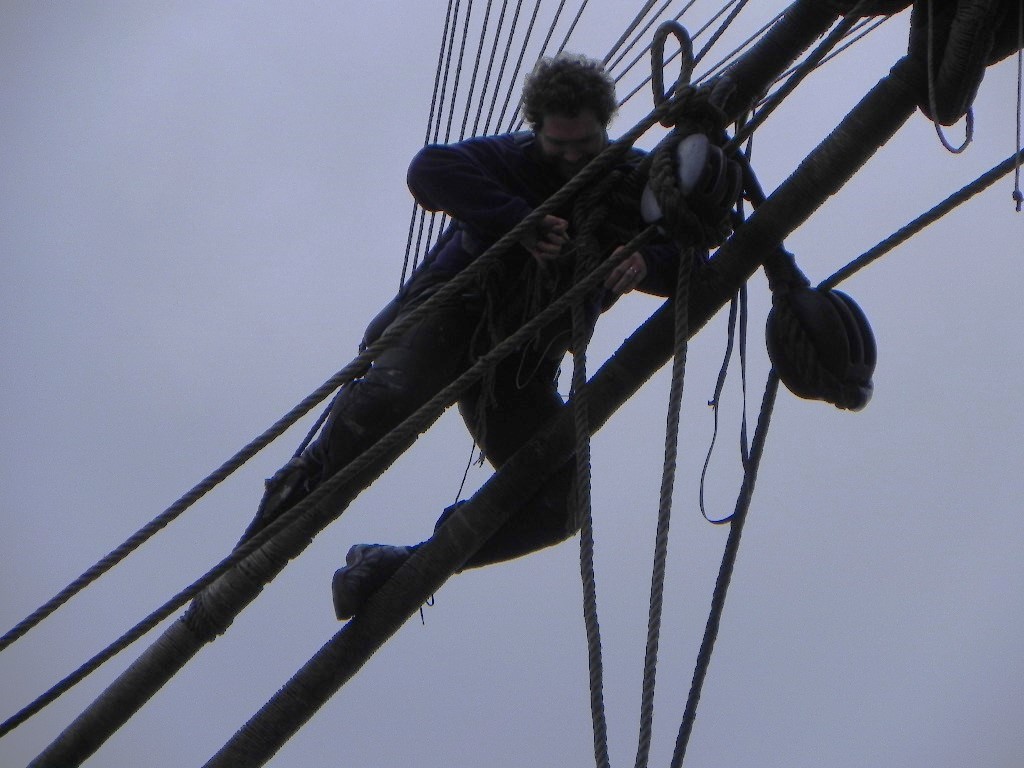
[[546, 242], [628, 274]]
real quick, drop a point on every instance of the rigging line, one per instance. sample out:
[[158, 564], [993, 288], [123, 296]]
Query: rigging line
[[516, 122], [490, 67], [458, 71], [434, 129], [561, 47], [444, 92], [805, 69], [504, 63], [729, 57], [1018, 196], [726, 569], [629, 30], [714, 402], [551, 29], [476, 69], [572, 26], [584, 511], [161, 521], [723, 63], [858, 32], [645, 52], [519, 62], [903, 234], [668, 476], [640, 34], [416, 211], [643, 84], [720, 31], [465, 473]]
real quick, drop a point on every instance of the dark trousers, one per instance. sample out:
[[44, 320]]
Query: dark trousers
[[502, 417]]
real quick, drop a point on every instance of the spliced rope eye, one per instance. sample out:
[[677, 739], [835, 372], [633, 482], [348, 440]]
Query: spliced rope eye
[[678, 31], [932, 101]]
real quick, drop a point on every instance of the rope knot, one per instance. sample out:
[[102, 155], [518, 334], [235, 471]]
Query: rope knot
[[692, 185]]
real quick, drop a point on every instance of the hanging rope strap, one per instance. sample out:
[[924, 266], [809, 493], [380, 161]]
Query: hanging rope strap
[[589, 211], [682, 332], [725, 571]]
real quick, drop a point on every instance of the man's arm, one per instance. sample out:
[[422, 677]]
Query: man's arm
[[477, 182]]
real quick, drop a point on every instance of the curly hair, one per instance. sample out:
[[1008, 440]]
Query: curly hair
[[566, 85]]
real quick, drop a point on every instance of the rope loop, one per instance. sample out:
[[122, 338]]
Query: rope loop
[[954, 41], [678, 31]]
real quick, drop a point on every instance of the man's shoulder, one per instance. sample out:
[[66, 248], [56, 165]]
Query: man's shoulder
[[516, 141]]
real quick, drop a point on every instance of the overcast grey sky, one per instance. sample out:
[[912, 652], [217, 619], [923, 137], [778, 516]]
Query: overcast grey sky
[[200, 207]]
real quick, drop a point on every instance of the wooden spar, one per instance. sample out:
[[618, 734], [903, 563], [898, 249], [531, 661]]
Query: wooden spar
[[861, 133], [802, 24]]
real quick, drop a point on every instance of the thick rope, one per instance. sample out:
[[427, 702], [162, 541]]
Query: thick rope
[[750, 475], [725, 571], [168, 516], [657, 599], [584, 512], [903, 234]]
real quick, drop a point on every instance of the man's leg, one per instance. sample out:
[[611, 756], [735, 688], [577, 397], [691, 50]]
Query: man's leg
[[524, 401], [402, 378]]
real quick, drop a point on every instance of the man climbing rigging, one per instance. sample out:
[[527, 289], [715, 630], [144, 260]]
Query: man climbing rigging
[[487, 186]]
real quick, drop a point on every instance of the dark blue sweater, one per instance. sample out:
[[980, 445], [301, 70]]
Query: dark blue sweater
[[488, 185]]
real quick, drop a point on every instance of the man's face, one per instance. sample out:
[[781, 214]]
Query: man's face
[[569, 143]]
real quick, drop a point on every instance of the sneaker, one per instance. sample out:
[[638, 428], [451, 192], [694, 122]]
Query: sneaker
[[367, 567]]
